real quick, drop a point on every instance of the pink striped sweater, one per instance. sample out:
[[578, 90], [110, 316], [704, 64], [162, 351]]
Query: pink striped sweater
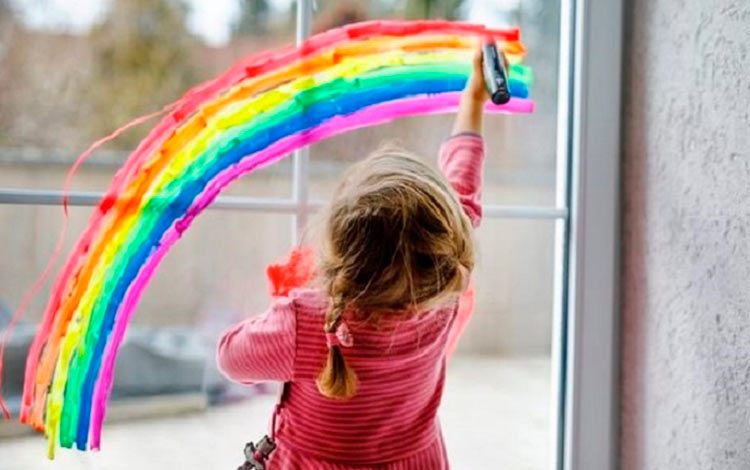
[[391, 424]]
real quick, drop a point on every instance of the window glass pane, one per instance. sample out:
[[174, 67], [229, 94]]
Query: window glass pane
[[514, 279], [27, 248], [71, 74], [495, 411], [212, 277], [520, 148], [217, 269], [496, 408]]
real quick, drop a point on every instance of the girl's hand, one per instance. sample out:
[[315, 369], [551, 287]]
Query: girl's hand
[[473, 98], [475, 89]]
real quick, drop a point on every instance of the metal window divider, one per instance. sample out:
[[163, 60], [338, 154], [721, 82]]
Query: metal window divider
[[301, 157], [32, 197]]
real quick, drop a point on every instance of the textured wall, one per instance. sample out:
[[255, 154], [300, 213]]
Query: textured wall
[[686, 284]]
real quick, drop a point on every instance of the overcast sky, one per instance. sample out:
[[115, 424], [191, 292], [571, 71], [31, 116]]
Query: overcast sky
[[211, 19]]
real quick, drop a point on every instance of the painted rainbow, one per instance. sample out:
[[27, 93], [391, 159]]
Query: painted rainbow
[[251, 116]]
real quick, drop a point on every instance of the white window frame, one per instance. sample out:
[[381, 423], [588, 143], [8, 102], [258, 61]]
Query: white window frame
[[585, 339], [587, 319]]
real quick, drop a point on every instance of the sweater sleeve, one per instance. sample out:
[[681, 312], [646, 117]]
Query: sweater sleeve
[[261, 348], [461, 159]]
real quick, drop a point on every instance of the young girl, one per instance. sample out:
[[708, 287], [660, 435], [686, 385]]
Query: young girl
[[363, 356]]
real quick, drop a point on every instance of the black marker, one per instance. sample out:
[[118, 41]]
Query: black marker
[[495, 75]]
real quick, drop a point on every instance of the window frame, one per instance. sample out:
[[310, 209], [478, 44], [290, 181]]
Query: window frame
[[588, 325]]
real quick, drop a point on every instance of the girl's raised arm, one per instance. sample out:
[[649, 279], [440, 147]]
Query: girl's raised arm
[[473, 98], [462, 156]]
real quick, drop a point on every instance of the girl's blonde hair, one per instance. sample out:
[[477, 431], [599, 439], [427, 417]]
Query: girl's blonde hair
[[395, 239]]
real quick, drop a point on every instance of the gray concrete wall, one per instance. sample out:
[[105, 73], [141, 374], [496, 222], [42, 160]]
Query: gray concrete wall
[[686, 284]]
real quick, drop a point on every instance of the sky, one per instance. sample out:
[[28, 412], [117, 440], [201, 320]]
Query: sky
[[210, 19]]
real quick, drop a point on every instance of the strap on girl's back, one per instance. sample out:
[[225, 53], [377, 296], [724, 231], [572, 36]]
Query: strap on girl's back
[[256, 455], [277, 409]]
